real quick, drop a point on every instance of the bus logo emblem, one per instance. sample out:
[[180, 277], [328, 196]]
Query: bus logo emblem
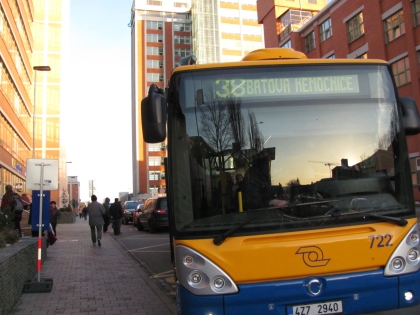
[[313, 256]]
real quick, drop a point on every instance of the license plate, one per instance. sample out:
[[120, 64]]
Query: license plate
[[325, 308]]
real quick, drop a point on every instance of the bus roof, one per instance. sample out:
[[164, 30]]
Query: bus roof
[[276, 56]]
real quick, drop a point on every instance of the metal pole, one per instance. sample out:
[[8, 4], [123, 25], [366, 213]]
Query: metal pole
[[33, 122], [41, 196]]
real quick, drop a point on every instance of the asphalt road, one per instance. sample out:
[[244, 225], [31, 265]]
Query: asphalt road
[[152, 253]]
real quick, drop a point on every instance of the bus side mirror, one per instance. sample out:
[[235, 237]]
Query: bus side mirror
[[153, 116], [411, 118]]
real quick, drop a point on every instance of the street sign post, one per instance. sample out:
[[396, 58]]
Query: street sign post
[[41, 174]]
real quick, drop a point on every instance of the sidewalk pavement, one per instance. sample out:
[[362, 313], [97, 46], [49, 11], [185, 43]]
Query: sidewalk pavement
[[92, 280]]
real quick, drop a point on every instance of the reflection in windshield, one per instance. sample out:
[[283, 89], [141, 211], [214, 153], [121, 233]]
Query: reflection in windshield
[[301, 157]]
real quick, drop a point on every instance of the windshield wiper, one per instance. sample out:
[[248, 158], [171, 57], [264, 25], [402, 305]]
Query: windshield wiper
[[218, 240], [398, 221]]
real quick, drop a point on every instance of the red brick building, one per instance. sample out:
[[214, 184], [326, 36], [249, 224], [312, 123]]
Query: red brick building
[[374, 29]]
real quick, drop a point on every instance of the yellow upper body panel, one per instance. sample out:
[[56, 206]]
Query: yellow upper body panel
[[285, 256], [275, 56]]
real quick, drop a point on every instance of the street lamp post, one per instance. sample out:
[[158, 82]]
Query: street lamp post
[[36, 69]]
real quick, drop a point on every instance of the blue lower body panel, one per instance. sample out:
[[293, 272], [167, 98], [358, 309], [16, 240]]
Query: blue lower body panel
[[359, 293]]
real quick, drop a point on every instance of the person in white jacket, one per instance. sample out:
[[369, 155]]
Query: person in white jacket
[[96, 212]]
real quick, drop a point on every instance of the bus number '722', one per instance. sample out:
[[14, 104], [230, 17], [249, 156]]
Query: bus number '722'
[[380, 240]]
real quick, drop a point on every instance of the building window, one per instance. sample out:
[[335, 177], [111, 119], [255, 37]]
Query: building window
[[362, 56], [153, 147], [355, 27], [154, 160], [155, 64], [310, 41], [287, 44], [154, 175], [154, 25], [416, 12], [155, 38], [332, 56], [182, 27], [182, 39], [182, 52], [155, 51], [154, 2], [325, 30], [394, 26], [401, 71], [155, 77]]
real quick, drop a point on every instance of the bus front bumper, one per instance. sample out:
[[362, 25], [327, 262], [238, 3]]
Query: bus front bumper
[[359, 293]]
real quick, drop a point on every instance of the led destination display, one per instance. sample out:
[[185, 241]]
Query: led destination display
[[287, 86]]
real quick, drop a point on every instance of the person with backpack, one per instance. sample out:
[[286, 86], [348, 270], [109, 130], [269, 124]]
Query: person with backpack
[[14, 201]]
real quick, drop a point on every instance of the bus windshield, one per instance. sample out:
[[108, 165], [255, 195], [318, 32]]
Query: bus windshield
[[292, 147]]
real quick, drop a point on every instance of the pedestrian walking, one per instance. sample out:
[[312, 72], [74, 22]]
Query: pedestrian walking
[[13, 201], [84, 211], [116, 213], [107, 214], [96, 212], [55, 215]]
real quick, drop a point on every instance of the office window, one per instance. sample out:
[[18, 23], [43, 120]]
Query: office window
[[154, 175], [401, 71], [155, 77], [325, 30], [355, 27], [154, 2], [416, 12], [182, 39], [155, 64], [155, 51], [154, 25], [287, 44], [154, 160], [394, 26], [182, 27], [310, 41], [154, 38], [182, 52]]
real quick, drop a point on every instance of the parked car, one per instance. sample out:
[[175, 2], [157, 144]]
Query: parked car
[[136, 213], [153, 215], [128, 210]]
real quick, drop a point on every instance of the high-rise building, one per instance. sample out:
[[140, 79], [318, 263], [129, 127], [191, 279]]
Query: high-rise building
[[161, 35], [387, 30], [163, 31], [31, 33]]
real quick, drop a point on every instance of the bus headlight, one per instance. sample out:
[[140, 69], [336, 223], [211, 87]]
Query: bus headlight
[[413, 255], [219, 283], [201, 276], [398, 264], [195, 278], [406, 257]]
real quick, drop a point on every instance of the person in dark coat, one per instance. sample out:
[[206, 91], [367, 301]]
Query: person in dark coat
[[107, 214], [55, 215], [117, 213], [7, 201], [96, 213]]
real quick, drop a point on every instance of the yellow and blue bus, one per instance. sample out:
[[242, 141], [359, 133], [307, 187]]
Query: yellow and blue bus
[[289, 185]]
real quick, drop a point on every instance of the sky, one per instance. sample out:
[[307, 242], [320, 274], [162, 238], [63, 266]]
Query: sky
[[96, 84]]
